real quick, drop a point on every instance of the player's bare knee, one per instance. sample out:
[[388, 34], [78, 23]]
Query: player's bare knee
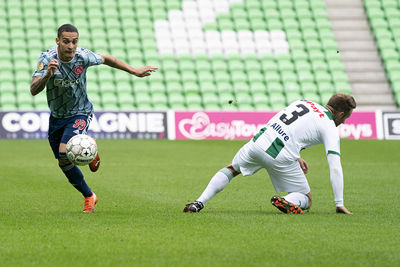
[[232, 170]]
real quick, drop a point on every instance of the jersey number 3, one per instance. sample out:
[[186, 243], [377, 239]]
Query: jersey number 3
[[295, 114]]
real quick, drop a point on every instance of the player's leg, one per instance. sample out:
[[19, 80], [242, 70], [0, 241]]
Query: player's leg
[[95, 164], [217, 183], [73, 173], [290, 178], [302, 200], [241, 163], [71, 127]]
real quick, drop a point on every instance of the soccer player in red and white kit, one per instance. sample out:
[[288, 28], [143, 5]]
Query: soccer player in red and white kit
[[277, 147]]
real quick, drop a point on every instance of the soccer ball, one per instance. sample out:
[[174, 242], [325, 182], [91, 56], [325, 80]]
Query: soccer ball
[[81, 149]]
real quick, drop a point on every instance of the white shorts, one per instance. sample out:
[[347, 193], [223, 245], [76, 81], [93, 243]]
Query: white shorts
[[285, 176]]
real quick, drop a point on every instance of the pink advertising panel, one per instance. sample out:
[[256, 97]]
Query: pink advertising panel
[[360, 125], [243, 125], [219, 125]]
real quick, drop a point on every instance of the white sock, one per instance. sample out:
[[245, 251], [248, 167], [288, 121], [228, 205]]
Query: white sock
[[218, 182], [298, 199]]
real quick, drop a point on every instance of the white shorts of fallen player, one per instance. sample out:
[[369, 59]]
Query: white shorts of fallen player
[[285, 176]]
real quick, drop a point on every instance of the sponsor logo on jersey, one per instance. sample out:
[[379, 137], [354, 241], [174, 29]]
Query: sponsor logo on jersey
[[78, 69], [280, 131], [66, 83], [315, 109]]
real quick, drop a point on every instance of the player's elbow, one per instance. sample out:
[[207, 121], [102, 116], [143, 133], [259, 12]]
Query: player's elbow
[[34, 90]]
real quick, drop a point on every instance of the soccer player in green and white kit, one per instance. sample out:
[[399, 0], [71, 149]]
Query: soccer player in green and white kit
[[62, 70], [277, 147]]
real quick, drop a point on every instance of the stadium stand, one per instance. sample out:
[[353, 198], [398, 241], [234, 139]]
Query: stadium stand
[[260, 53], [384, 18]]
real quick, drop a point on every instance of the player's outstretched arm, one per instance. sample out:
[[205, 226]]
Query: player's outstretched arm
[[39, 82], [119, 64], [342, 209]]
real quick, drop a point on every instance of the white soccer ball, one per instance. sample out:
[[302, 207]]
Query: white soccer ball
[[81, 149]]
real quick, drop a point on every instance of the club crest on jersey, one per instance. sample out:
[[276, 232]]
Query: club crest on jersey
[[78, 70]]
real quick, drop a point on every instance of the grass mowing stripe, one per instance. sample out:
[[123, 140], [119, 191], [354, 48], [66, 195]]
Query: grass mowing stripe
[[143, 186]]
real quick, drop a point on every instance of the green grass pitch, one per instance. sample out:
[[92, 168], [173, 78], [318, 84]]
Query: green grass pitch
[[143, 186]]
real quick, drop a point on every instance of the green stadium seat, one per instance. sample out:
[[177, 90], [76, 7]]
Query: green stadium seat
[[193, 99], [272, 76], [160, 106], [178, 106], [174, 87], [212, 106], [325, 98], [288, 76], [157, 87], [262, 107], [322, 76], [241, 87], [293, 96], [172, 76], [188, 76], [144, 106], [24, 97], [268, 65], [342, 87], [236, 65], [312, 97], [159, 99], [125, 98], [305, 76], [107, 87], [277, 106], [191, 87], [308, 87], [291, 86], [140, 86], [325, 87], [7, 98], [302, 65], [339, 76], [257, 87], [277, 97], [222, 87], [206, 86], [222, 76], [273, 87], [176, 99], [93, 96], [210, 98]]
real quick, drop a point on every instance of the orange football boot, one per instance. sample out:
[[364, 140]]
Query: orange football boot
[[90, 202]]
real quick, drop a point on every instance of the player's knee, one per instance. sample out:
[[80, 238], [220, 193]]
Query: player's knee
[[232, 170], [63, 159]]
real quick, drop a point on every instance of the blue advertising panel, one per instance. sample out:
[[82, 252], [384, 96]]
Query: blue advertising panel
[[105, 125]]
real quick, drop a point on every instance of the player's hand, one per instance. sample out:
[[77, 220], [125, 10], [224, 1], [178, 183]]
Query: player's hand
[[303, 165], [51, 68], [342, 209], [144, 71]]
